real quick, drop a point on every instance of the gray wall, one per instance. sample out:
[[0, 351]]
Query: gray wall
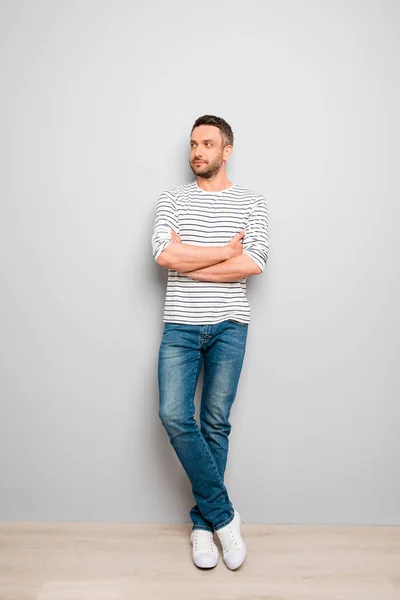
[[97, 102]]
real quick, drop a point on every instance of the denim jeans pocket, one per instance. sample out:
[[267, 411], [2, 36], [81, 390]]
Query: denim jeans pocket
[[239, 323]]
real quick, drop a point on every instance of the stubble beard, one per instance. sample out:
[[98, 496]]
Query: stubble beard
[[208, 171]]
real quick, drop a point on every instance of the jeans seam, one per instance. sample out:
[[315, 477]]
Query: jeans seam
[[203, 527], [212, 457], [225, 522], [195, 380], [220, 479]]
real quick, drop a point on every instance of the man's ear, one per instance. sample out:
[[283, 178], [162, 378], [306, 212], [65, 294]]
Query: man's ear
[[227, 152]]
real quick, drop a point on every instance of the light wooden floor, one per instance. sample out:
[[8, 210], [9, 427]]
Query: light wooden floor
[[116, 561]]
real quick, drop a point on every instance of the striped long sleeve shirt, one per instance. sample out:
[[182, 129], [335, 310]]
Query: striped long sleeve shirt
[[209, 219]]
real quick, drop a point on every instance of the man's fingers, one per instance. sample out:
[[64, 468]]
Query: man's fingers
[[239, 236], [175, 237]]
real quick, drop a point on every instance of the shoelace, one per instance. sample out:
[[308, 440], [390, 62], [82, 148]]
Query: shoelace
[[203, 541], [229, 541]]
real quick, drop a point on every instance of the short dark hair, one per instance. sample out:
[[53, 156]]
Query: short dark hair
[[223, 126]]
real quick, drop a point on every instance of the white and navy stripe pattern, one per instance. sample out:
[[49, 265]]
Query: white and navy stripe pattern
[[209, 219]]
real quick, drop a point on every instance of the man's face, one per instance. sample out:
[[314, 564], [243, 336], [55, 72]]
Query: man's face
[[206, 151]]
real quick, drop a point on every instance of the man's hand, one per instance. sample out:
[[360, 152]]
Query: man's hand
[[175, 237], [236, 243]]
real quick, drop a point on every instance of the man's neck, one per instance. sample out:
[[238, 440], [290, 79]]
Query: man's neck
[[214, 184]]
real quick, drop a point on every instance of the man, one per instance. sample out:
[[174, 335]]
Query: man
[[211, 234]]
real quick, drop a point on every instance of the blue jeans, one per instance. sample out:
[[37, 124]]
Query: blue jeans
[[203, 451]]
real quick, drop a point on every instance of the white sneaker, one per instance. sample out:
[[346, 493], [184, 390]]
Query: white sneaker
[[204, 552], [232, 543]]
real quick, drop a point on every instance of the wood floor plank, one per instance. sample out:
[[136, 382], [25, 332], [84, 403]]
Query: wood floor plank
[[143, 561]]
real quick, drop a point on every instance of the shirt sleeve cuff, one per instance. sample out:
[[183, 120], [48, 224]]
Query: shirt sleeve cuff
[[161, 247], [259, 262]]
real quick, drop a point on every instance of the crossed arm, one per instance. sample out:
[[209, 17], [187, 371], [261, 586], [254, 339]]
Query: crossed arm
[[208, 263], [233, 269]]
